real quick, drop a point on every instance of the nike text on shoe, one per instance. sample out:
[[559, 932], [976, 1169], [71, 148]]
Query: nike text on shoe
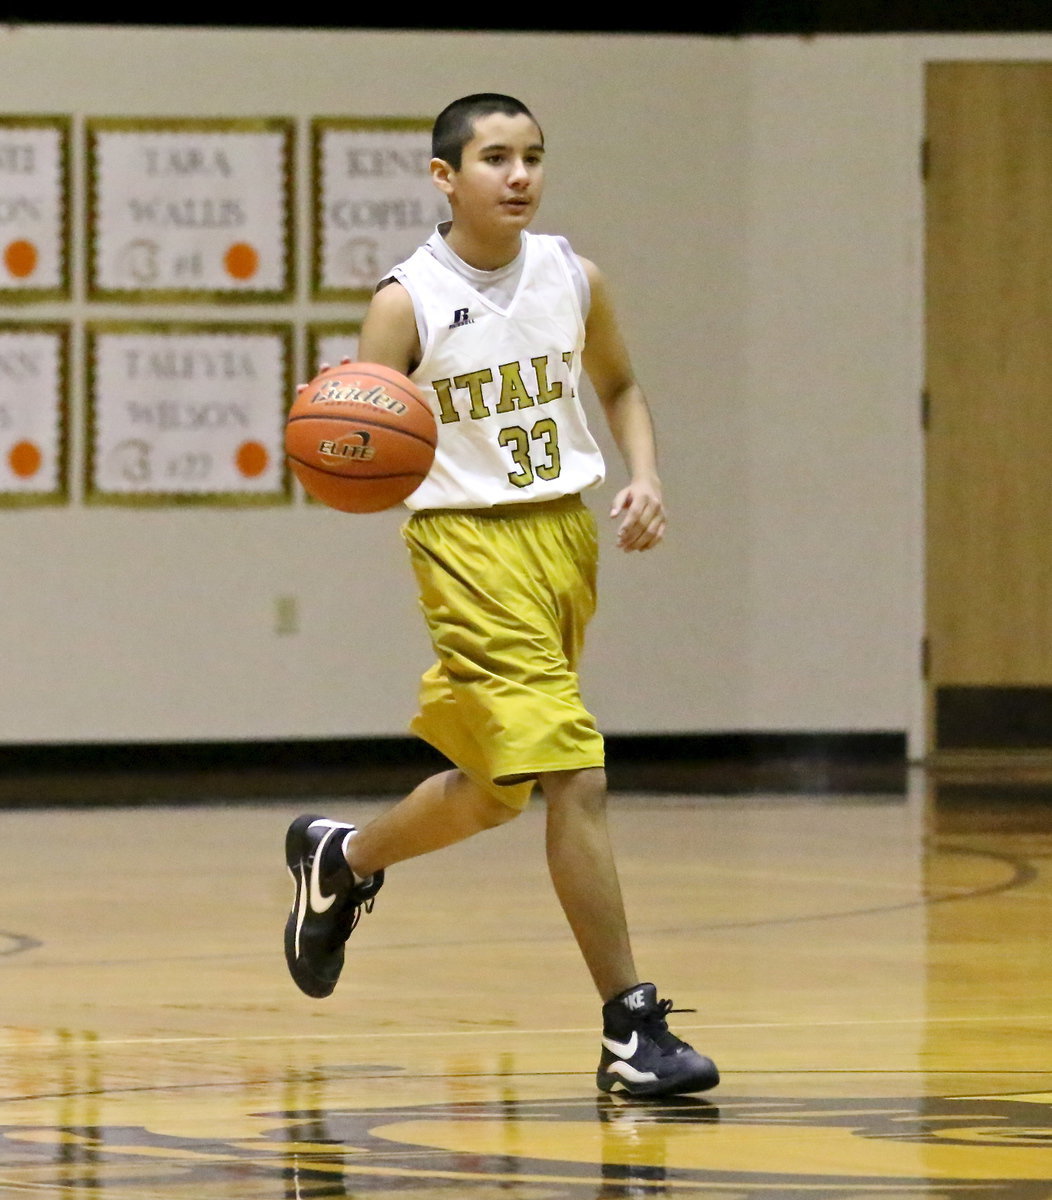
[[641, 1057], [327, 905]]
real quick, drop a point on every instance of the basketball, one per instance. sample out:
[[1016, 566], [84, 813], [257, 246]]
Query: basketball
[[360, 437]]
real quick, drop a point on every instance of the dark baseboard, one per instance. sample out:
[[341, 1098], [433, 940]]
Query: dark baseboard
[[740, 763], [206, 772], [979, 718]]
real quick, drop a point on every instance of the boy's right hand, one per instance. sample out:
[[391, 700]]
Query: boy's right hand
[[322, 367]]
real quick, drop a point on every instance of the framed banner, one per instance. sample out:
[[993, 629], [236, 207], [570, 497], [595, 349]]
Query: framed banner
[[194, 209], [328, 342], [34, 413], [34, 208], [187, 413], [374, 201]]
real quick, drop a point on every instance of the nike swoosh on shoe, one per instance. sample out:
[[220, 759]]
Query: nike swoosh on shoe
[[319, 903], [623, 1049], [301, 907]]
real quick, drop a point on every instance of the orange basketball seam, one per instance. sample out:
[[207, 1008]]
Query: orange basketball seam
[[356, 478], [344, 419]]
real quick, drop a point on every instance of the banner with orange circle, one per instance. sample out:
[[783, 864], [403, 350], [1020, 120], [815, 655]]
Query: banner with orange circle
[[183, 413], [34, 372], [34, 207], [190, 209]]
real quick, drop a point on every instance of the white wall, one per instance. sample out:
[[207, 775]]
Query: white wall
[[834, 374], [833, 378], [757, 206]]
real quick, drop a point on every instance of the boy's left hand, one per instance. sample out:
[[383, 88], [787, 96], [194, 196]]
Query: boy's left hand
[[643, 511]]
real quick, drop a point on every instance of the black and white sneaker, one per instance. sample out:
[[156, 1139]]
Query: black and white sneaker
[[641, 1056], [328, 902]]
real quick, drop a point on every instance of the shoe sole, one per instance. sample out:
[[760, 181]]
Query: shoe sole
[[696, 1082]]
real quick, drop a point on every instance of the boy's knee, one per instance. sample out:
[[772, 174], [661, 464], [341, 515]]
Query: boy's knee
[[503, 813], [584, 789], [489, 810]]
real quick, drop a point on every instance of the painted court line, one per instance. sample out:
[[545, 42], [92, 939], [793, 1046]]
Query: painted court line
[[50, 1042]]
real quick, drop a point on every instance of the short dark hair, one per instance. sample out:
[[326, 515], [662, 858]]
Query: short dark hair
[[455, 125]]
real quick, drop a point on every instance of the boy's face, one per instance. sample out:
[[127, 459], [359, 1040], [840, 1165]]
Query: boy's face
[[501, 174]]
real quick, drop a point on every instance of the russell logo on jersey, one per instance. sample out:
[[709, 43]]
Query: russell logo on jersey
[[460, 318]]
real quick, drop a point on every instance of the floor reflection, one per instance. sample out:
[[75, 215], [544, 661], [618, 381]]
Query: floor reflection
[[634, 1132]]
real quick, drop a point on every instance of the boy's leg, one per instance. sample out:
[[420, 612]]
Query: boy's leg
[[337, 869], [640, 1055], [583, 871], [444, 809]]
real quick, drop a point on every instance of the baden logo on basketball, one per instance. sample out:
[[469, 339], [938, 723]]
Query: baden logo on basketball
[[335, 392], [351, 446]]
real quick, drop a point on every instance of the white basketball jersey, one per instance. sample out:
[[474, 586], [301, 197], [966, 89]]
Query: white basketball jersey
[[502, 383]]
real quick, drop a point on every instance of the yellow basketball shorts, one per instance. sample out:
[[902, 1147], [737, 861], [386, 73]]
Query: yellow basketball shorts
[[507, 594]]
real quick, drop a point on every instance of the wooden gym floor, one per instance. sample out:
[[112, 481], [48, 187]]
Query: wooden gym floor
[[871, 972]]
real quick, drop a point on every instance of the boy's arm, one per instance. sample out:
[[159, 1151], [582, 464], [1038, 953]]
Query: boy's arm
[[389, 333], [627, 413]]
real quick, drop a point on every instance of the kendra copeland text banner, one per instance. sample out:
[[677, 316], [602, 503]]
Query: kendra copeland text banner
[[374, 201], [190, 209], [188, 413]]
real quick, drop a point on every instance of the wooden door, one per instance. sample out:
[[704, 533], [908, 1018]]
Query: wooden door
[[989, 405]]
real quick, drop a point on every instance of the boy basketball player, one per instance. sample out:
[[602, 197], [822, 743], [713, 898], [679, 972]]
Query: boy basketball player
[[494, 325]]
